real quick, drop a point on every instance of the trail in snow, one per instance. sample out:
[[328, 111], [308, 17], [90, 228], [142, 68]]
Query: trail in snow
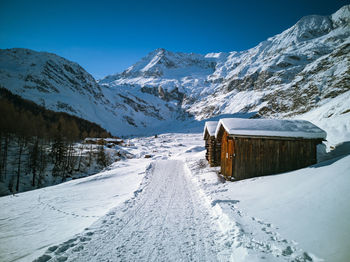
[[181, 211], [165, 221]]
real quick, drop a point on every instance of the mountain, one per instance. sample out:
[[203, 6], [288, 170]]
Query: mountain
[[64, 86], [177, 77], [291, 74], [287, 74], [53, 82]]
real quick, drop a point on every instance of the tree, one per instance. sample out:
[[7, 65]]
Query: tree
[[71, 131], [90, 156], [101, 156], [34, 160], [23, 133], [7, 126], [31, 133], [42, 163], [58, 148], [81, 148]]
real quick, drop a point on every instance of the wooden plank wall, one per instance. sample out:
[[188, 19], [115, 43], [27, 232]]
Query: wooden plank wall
[[207, 148], [223, 154], [229, 158], [217, 153], [261, 156], [213, 151]]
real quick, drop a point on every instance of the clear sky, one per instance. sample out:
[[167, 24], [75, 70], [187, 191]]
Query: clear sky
[[106, 37]]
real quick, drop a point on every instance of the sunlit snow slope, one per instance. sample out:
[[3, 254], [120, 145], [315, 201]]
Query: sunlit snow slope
[[62, 85], [290, 73], [302, 69], [173, 206]]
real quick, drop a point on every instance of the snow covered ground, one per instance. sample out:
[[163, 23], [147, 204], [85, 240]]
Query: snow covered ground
[[34, 220], [167, 204], [295, 216]]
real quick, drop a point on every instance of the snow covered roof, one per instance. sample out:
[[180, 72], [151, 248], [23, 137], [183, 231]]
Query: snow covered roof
[[105, 139], [210, 126], [271, 127]]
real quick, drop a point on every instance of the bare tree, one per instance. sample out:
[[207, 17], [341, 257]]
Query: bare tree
[[34, 159]]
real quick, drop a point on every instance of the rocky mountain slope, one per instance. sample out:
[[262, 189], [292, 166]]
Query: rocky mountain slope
[[287, 74], [62, 85], [295, 72]]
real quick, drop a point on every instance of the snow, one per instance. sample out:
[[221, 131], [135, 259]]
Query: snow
[[166, 203], [36, 219], [95, 139], [271, 127], [84, 157], [289, 73], [342, 16], [173, 207], [165, 221], [307, 209], [334, 117], [210, 127]]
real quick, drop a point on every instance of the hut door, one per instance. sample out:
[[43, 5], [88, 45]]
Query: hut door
[[230, 156]]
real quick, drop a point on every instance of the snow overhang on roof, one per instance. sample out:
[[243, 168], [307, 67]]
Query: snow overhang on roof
[[210, 126], [271, 127]]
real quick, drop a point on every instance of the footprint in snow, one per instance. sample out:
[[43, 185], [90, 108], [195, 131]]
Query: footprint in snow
[[84, 239], [52, 249], [43, 258]]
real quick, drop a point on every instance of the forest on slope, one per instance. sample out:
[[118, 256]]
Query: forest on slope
[[40, 144]]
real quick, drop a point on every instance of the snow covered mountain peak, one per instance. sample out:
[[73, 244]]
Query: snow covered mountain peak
[[165, 64], [34, 74], [311, 26], [342, 16], [288, 74]]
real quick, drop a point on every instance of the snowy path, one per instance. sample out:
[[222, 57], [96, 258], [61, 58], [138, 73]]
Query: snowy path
[[165, 221], [180, 210]]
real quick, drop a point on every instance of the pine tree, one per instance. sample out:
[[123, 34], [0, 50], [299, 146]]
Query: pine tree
[[42, 163], [90, 156], [23, 133], [81, 148], [34, 160], [101, 156]]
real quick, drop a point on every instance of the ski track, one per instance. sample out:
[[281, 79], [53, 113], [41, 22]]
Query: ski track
[[165, 221]]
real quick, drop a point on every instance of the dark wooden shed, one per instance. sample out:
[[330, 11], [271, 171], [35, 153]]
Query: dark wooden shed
[[257, 147], [213, 148]]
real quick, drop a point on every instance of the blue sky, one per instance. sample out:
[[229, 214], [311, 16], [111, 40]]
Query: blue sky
[[106, 37]]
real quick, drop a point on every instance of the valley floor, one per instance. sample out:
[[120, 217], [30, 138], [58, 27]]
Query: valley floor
[[170, 206], [165, 221]]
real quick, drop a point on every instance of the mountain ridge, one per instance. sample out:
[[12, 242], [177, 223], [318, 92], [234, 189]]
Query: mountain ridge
[[286, 75]]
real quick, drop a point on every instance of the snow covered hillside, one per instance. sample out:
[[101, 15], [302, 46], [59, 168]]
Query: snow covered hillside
[[163, 202], [302, 69], [62, 85], [54, 82], [172, 206], [290, 73]]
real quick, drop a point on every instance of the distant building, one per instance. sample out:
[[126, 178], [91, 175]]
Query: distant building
[[211, 145], [103, 141], [257, 147]]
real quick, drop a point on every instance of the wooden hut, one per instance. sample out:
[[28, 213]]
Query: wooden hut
[[213, 148], [103, 141], [257, 147]]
